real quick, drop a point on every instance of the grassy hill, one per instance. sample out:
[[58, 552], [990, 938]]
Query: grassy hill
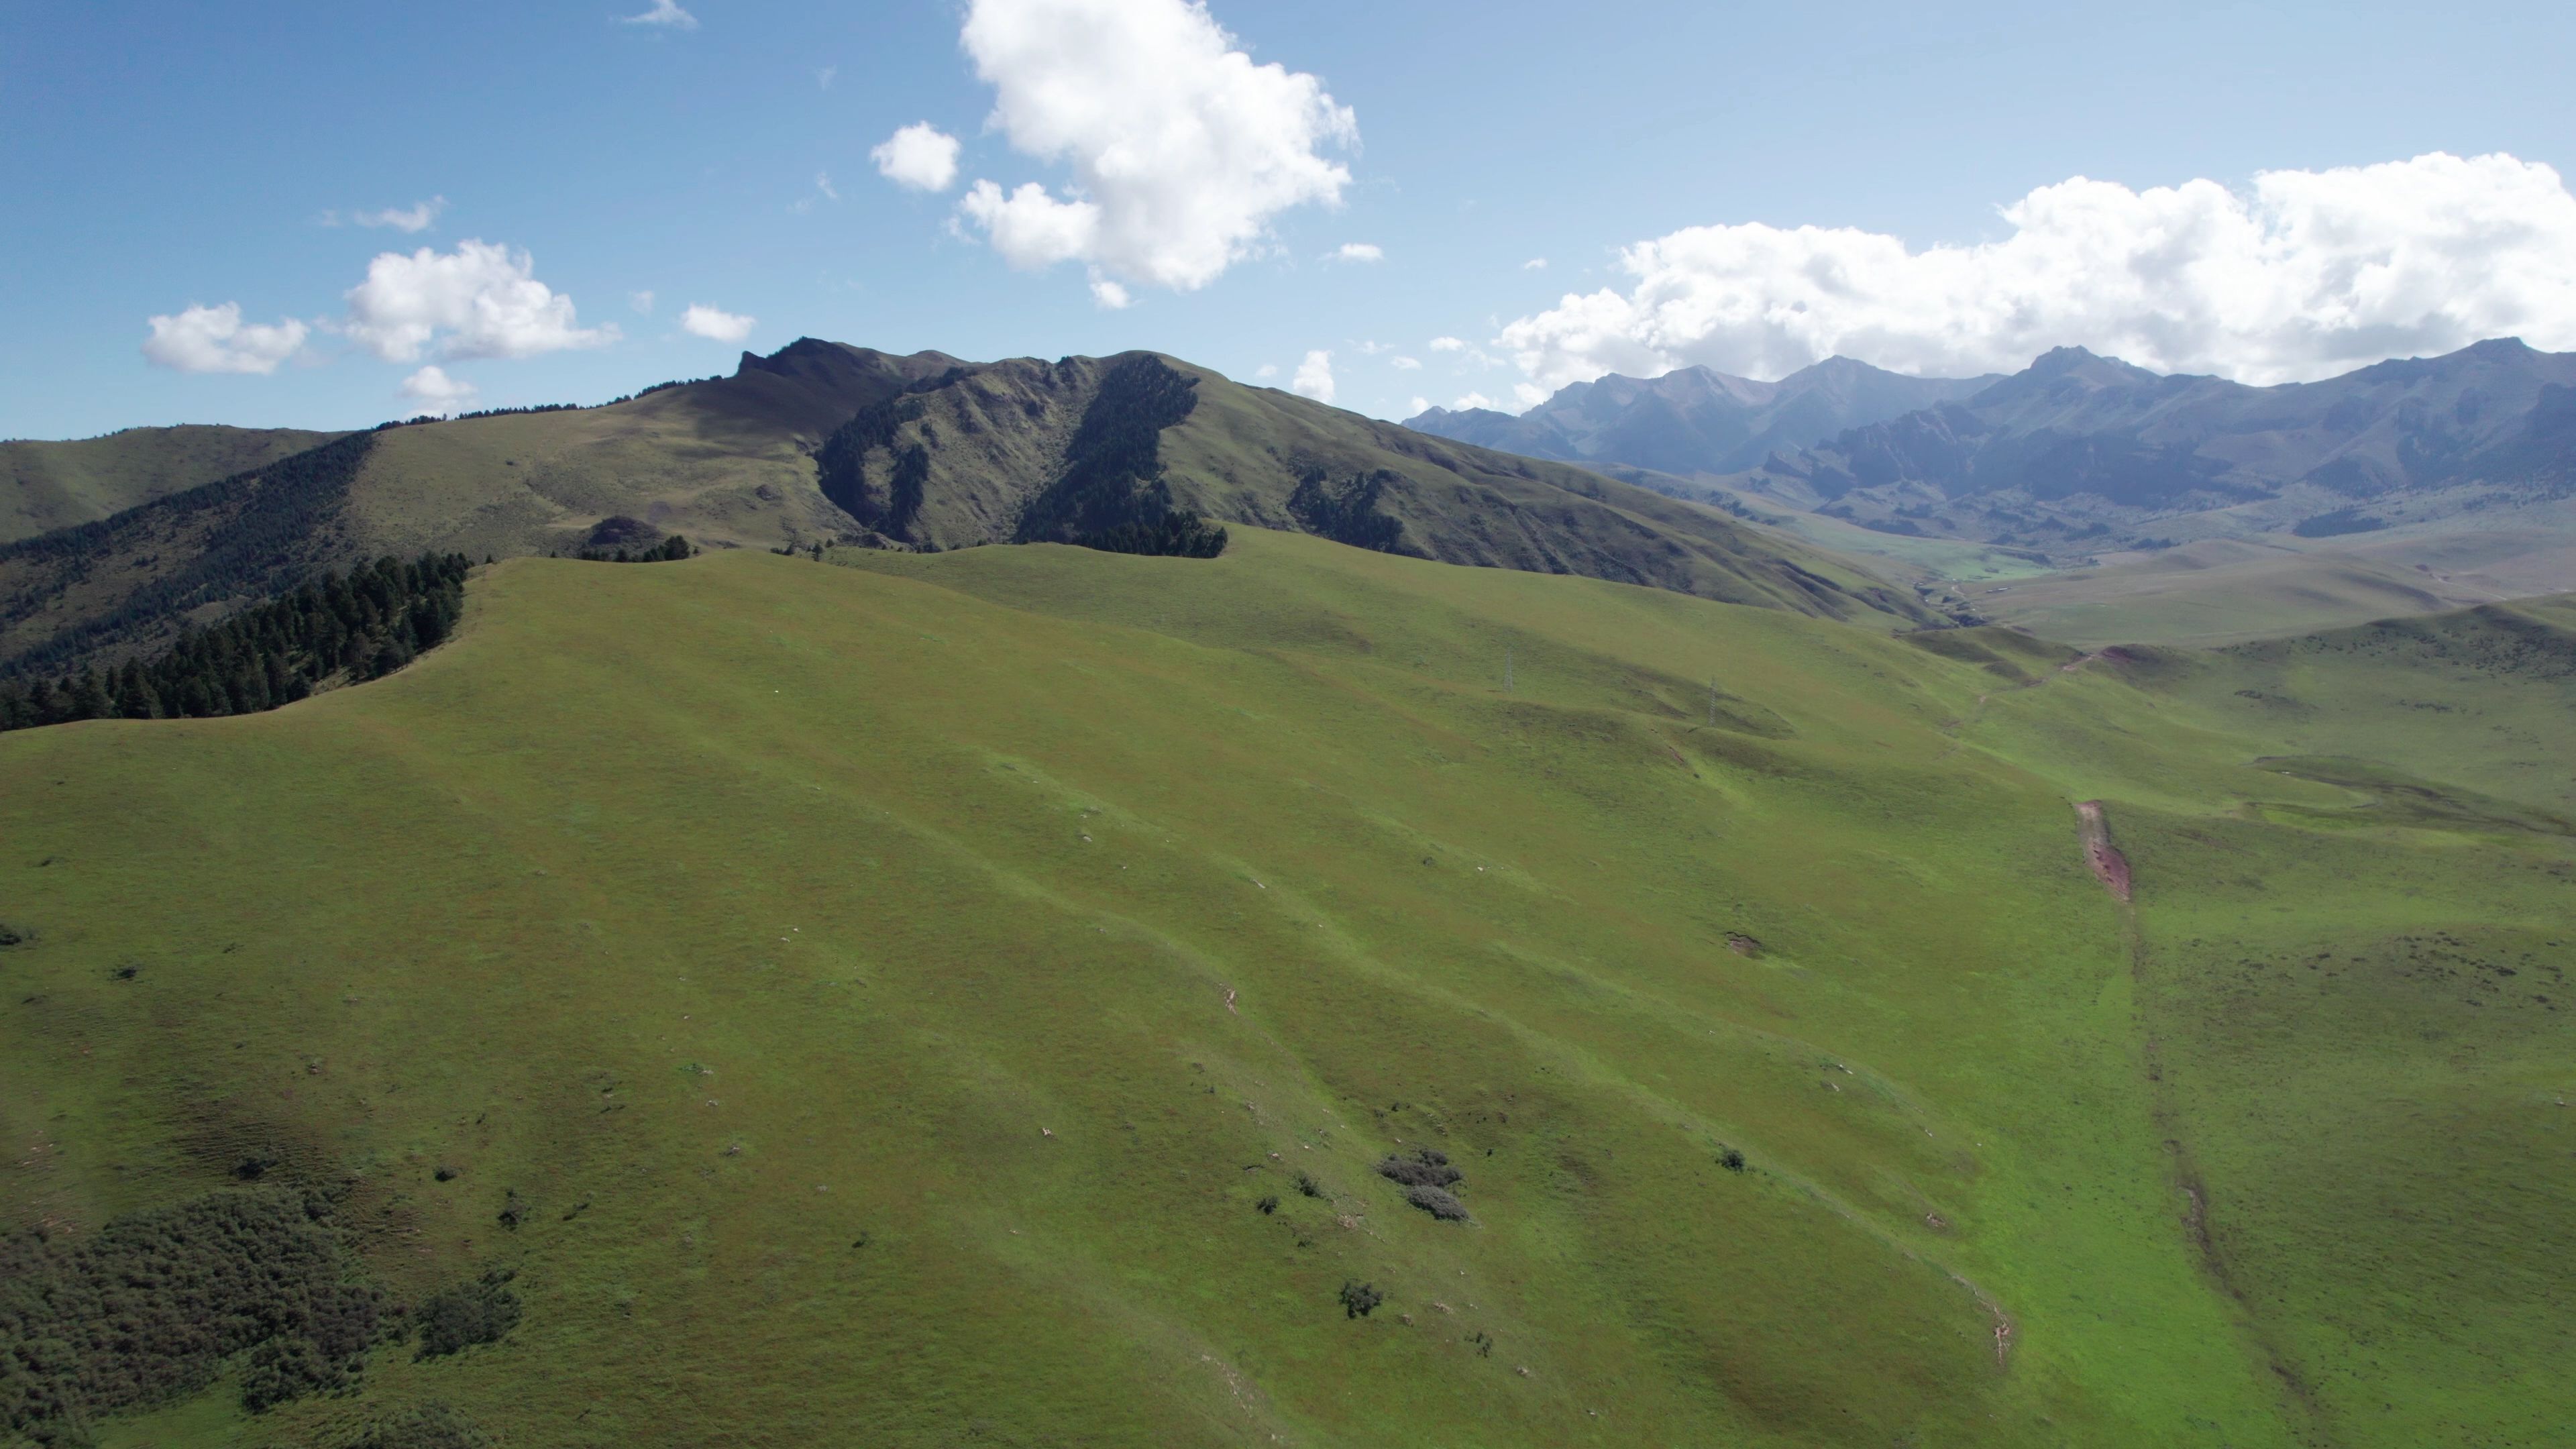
[[45, 486], [967, 997], [732, 462]]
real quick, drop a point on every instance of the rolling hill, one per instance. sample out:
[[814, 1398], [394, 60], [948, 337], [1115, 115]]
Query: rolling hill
[[1002, 996], [57, 485], [824, 443]]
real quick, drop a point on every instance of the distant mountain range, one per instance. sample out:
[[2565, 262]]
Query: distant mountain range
[[826, 443], [2086, 454], [1695, 420]]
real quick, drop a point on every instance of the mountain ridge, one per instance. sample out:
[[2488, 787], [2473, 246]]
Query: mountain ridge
[[1696, 419], [741, 461]]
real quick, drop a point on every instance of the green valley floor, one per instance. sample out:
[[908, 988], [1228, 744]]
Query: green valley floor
[[967, 999]]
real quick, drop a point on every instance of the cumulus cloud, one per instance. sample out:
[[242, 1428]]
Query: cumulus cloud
[[1181, 149], [1108, 293], [214, 339], [1314, 377], [2305, 274], [480, 300], [1448, 344], [666, 13], [419, 216], [919, 156], [1358, 252], [716, 326], [1535, 264], [641, 301], [1406, 364], [1419, 406], [1266, 371], [437, 394], [1471, 402]]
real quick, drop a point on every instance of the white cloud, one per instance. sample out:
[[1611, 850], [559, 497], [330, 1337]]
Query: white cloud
[[1406, 364], [920, 156], [1420, 405], [1314, 377], [665, 13], [1470, 402], [2306, 274], [1108, 293], [824, 77], [1181, 149], [1372, 349], [480, 300], [641, 302], [1266, 371], [1447, 344], [715, 326], [213, 339], [437, 393], [419, 216], [1535, 264], [1358, 252]]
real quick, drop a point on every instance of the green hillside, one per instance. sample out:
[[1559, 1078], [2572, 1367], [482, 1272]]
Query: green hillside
[[966, 998], [45, 486], [802, 448]]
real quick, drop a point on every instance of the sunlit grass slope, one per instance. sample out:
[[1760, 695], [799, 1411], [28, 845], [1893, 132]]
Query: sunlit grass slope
[[890, 992], [2358, 1006]]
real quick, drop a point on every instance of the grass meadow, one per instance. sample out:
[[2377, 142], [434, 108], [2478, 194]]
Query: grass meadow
[[891, 993]]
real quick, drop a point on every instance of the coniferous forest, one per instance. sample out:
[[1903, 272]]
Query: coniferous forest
[[361, 625]]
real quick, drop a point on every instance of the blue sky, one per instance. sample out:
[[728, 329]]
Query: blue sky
[[163, 156]]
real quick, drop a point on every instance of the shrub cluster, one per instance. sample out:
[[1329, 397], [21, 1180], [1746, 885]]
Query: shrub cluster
[[1359, 1300], [1427, 1178], [469, 1313], [144, 1310], [362, 625], [1426, 1168], [1438, 1203], [672, 550]]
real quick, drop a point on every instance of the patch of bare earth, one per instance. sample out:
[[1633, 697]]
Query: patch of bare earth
[[2109, 865]]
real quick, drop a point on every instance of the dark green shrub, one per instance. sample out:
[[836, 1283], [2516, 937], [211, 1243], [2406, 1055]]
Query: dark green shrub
[[1308, 1186], [1267, 1206], [1359, 1300], [144, 1310], [468, 1314], [284, 1369], [9, 938], [1732, 1160]]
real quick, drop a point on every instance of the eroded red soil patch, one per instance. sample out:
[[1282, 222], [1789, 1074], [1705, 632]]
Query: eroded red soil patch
[[2108, 864]]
